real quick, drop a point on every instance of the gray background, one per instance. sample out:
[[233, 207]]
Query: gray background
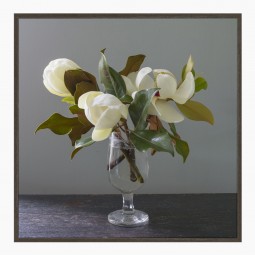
[[44, 164]]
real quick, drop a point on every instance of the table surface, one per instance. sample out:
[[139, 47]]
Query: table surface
[[84, 217]]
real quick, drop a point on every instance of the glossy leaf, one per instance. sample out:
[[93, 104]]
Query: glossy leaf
[[158, 140], [83, 142], [105, 76], [138, 109], [77, 132], [74, 109], [126, 99], [200, 83], [118, 83], [68, 100], [73, 77], [82, 88], [111, 79], [133, 64], [196, 111], [154, 125], [173, 129], [182, 148], [59, 124]]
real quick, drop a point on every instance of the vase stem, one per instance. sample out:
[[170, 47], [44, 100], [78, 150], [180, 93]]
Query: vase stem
[[128, 206]]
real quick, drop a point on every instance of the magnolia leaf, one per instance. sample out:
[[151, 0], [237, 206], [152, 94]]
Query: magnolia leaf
[[184, 72], [138, 109], [59, 124], [111, 79], [154, 125], [126, 99], [182, 148], [118, 83], [74, 109], [173, 129], [158, 140], [105, 76], [196, 111], [200, 83], [83, 142], [72, 77], [83, 87], [69, 100], [77, 132], [133, 64]]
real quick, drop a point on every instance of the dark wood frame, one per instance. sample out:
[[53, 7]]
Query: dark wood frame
[[238, 17]]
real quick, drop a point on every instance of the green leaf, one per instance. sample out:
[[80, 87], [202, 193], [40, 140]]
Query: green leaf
[[126, 99], [59, 124], [158, 140], [105, 76], [113, 82], [182, 148], [69, 100], [77, 132], [173, 129], [83, 87], [184, 74], [83, 142], [74, 109], [196, 111], [133, 64], [200, 83], [118, 83], [138, 109], [72, 77]]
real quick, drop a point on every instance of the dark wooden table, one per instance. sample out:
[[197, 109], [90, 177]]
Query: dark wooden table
[[84, 217]]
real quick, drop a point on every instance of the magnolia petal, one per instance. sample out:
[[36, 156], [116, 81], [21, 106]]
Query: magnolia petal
[[186, 90], [124, 111], [129, 85], [57, 83], [133, 94], [132, 77], [156, 72], [53, 76], [141, 74], [106, 100], [152, 110], [108, 119], [101, 134], [86, 99], [93, 113], [167, 84], [189, 65], [146, 83], [51, 90], [167, 112]]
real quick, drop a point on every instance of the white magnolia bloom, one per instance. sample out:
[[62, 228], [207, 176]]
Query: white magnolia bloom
[[53, 76], [169, 89], [103, 111]]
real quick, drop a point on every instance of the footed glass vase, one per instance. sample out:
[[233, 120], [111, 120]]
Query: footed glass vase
[[128, 171]]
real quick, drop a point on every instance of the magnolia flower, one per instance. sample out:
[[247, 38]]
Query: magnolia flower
[[161, 104], [104, 111], [53, 76]]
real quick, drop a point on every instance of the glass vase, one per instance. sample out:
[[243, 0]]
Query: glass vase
[[128, 171]]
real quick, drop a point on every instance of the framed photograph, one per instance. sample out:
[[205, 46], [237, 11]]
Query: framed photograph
[[127, 127]]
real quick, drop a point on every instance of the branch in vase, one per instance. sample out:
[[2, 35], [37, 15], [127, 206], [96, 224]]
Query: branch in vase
[[115, 162]]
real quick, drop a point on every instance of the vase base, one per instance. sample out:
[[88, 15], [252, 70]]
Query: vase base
[[137, 218]]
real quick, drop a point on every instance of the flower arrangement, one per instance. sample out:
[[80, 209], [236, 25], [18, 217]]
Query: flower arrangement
[[153, 99]]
